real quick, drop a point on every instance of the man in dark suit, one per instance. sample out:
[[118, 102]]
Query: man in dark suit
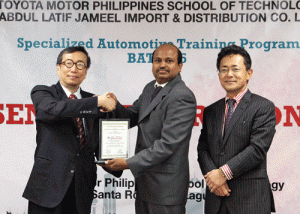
[[165, 121], [236, 135], [64, 173]]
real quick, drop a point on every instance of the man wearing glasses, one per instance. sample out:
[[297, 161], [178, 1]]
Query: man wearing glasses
[[64, 173], [236, 135]]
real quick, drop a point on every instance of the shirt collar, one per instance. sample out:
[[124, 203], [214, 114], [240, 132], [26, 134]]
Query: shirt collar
[[238, 97], [161, 85], [68, 93]]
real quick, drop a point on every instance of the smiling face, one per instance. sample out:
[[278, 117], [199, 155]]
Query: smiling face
[[233, 74], [71, 78], [165, 66]]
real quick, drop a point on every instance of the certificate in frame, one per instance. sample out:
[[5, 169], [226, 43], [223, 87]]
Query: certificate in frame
[[113, 139]]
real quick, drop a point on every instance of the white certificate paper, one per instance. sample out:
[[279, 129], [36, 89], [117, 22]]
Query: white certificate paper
[[114, 139]]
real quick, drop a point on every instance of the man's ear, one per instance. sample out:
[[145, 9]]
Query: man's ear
[[180, 66], [58, 69], [249, 74]]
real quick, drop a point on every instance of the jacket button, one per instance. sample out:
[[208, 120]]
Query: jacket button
[[72, 171], [77, 136], [222, 153]]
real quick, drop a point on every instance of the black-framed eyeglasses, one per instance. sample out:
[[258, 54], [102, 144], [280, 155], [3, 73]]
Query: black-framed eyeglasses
[[69, 64]]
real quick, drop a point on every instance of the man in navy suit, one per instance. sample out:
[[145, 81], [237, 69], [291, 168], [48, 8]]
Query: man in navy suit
[[236, 135], [64, 173]]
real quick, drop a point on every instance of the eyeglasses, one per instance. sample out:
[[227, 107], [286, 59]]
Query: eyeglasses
[[226, 70], [69, 64]]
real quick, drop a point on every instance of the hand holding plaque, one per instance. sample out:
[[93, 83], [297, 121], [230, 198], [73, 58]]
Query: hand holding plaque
[[116, 164]]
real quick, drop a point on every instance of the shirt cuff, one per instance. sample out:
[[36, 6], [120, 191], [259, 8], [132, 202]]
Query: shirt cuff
[[227, 172]]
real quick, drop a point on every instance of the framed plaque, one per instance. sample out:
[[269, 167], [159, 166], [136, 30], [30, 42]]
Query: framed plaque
[[113, 139]]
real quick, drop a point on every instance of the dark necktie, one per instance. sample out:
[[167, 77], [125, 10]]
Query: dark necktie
[[79, 125], [156, 91], [229, 113]]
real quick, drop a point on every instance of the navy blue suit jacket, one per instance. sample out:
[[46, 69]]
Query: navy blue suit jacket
[[58, 156], [244, 148]]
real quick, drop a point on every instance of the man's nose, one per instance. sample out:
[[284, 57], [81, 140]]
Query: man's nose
[[230, 73], [162, 64], [73, 68]]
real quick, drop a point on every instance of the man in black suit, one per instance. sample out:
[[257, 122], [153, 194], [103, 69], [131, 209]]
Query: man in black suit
[[236, 135], [165, 120], [64, 173]]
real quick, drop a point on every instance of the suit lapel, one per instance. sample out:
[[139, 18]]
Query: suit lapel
[[88, 122], [164, 91], [60, 92], [237, 114], [220, 110], [62, 95]]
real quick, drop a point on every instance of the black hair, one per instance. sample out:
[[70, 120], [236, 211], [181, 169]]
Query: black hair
[[234, 50]]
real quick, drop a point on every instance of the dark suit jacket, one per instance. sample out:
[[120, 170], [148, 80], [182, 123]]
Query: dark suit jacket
[[244, 148], [160, 165], [58, 156]]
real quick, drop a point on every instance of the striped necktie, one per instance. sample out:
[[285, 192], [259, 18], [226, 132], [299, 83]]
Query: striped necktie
[[156, 91], [79, 125], [231, 103]]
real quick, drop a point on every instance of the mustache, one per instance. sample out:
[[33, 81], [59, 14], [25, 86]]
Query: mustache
[[162, 69]]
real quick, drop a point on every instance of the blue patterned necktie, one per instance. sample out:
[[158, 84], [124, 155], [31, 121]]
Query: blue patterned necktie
[[79, 125], [231, 103]]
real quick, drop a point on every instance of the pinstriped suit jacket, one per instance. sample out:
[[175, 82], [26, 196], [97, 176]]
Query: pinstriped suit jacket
[[244, 148]]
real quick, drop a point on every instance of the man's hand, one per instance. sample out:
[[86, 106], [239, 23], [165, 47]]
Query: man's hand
[[112, 95], [116, 164], [107, 102], [214, 179], [223, 190]]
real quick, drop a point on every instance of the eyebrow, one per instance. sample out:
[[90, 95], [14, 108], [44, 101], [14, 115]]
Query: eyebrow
[[230, 66], [77, 61], [158, 57]]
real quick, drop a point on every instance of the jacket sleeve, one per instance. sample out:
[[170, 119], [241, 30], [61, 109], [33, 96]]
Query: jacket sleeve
[[204, 156], [49, 107], [262, 133], [131, 112]]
